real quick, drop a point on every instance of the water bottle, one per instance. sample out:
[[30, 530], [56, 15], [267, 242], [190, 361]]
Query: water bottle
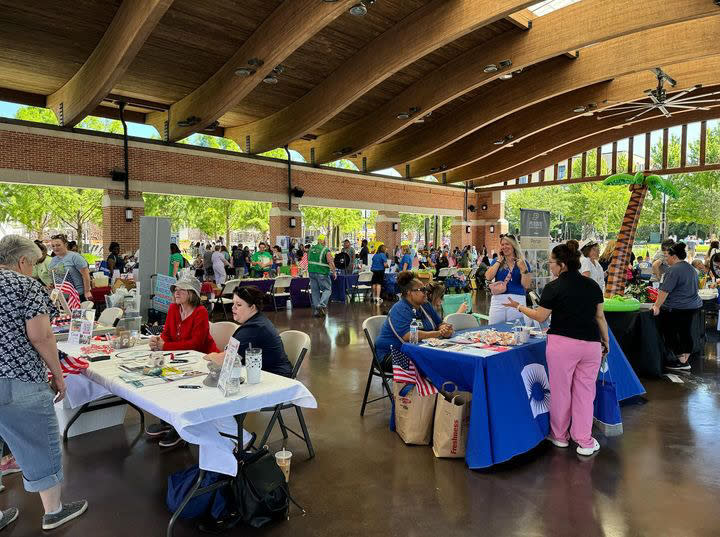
[[236, 379], [414, 332]]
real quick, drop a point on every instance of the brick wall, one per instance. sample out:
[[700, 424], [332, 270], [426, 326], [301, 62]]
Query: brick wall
[[280, 223], [384, 230], [115, 226]]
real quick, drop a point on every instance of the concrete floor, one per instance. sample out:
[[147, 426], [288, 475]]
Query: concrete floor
[[660, 478]]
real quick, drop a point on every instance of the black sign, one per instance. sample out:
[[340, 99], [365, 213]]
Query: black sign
[[534, 223]]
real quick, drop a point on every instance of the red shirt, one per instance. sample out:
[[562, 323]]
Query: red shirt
[[192, 334]]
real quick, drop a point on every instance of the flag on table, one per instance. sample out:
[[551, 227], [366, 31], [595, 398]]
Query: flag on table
[[404, 371], [71, 365], [67, 288]]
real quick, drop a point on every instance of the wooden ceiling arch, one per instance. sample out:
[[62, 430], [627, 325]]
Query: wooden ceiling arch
[[289, 26], [458, 134], [704, 71], [132, 24], [589, 139], [423, 31]]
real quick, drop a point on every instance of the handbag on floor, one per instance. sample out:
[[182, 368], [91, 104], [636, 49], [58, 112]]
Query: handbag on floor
[[452, 420], [606, 409]]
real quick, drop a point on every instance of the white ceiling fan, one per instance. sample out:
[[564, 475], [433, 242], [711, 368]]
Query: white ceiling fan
[[659, 100]]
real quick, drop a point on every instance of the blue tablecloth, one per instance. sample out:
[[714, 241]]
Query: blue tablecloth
[[509, 414], [342, 286], [299, 297], [390, 282]]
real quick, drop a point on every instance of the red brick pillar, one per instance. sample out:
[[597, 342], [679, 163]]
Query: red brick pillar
[[489, 220], [459, 235], [116, 225], [282, 220], [384, 232]]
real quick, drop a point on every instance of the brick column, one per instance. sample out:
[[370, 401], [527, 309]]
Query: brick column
[[280, 222], [116, 227], [458, 233], [384, 229], [489, 222]]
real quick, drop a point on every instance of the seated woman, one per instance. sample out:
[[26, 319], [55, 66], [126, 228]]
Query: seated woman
[[257, 330], [435, 292], [187, 328], [412, 305]]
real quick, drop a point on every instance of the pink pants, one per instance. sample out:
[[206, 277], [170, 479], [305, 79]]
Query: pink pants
[[573, 365]]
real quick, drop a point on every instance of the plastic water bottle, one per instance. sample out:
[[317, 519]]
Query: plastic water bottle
[[414, 332]]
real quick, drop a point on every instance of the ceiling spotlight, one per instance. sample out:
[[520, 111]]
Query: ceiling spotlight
[[360, 9], [422, 119], [579, 109], [506, 76], [492, 68], [403, 115], [244, 71], [270, 79], [407, 115], [503, 141], [189, 121], [504, 64]]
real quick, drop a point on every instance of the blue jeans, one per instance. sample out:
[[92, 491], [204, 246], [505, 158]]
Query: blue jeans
[[321, 289], [29, 426]]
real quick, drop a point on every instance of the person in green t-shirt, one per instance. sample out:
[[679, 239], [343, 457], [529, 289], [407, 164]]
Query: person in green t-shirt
[[177, 261], [261, 261]]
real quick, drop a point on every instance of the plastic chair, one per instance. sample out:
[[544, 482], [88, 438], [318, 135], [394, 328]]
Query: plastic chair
[[222, 332], [461, 321], [297, 347], [362, 284], [110, 316], [444, 272], [371, 328], [87, 305], [281, 282]]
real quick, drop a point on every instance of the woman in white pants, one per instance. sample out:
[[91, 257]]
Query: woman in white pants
[[509, 267]]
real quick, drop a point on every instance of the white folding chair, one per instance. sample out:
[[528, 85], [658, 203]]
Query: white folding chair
[[371, 328], [297, 347], [281, 282], [362, 284], [461, 321], [225, 297], [109, 316], [87, 305], [222, 332]]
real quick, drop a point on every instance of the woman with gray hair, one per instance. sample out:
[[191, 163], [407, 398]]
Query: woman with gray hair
[[27, 350]]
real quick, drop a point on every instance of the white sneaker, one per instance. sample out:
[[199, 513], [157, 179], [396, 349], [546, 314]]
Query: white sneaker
[[379, 300], [557, 443], [587, 451]]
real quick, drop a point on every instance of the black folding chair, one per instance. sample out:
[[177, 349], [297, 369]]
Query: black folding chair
[[371, 327]]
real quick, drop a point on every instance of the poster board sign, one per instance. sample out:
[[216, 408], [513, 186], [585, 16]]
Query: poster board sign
[[534, 223], [283, 241], [163, 296], [536, 251]]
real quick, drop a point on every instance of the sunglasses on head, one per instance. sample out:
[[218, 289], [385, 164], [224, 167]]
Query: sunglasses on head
[[507, 236]]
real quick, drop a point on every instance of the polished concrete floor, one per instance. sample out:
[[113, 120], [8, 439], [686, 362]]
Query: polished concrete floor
[[661, 478]]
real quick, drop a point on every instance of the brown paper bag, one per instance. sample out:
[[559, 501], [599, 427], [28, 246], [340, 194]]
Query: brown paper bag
[[413, 415], [452, 420]]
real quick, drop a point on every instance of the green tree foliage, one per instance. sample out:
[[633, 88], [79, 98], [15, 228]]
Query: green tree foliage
[[27, 205], [173, 207], [75, 207], [100, 124], [218, 217], [213, 142], [38, 115], [326, 218]]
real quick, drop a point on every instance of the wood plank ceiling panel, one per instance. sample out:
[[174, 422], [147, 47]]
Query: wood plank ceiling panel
[[318, 58], [192, 41], [43, 44]]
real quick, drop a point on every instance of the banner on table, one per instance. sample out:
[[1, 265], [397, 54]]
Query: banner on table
[[163, 296]]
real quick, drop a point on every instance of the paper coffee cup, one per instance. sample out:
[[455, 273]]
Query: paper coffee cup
[[282, 458]]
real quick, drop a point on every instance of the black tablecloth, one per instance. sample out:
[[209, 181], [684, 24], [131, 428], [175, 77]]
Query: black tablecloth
[[639, 337]]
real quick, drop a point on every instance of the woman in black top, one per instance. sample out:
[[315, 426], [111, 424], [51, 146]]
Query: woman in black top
[[255, 329], [364, 251], [115, 260], [577, 340]]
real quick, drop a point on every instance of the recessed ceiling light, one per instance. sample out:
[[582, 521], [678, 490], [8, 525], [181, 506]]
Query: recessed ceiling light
[[359, 10], [270, 79], [403, 115], [580, 109], [492, 68], [499, 142], [244, 71]]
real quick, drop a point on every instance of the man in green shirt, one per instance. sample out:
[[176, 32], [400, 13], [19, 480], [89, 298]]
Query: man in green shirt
[[320, 266], [262, 261]]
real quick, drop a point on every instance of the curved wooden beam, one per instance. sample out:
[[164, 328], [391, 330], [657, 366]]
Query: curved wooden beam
[[628, 88], [283, 32], [559, 77], [427, 29], [571, 28], [132, 24], [590, 139]]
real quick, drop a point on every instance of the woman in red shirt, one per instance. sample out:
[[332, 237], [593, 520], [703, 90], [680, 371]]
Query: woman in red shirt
[[187, 327]]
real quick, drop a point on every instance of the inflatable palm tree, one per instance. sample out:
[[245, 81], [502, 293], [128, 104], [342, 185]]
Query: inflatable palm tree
[[639, 183]]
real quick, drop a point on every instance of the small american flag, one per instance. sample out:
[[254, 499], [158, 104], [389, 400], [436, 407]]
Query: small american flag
[[404, 371], [71, 365], [67, 288]]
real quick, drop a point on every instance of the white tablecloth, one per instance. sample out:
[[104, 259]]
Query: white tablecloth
[[197, 415]]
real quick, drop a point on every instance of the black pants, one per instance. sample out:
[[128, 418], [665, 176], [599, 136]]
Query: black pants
[[676, 327]]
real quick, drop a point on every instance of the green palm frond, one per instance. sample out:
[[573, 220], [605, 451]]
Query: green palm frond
[[619, 179], [668, 188], [639, 178]]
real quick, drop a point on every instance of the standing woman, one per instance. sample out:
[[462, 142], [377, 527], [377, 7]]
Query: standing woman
[[510, 267], [78, 271], [589, 264], [218, 264], [577, 339], [379, 264], [606, 256], [176, 260], [677, 304], [27, 412]]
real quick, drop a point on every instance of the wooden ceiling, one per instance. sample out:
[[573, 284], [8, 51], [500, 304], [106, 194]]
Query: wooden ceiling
[[345, 78]]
